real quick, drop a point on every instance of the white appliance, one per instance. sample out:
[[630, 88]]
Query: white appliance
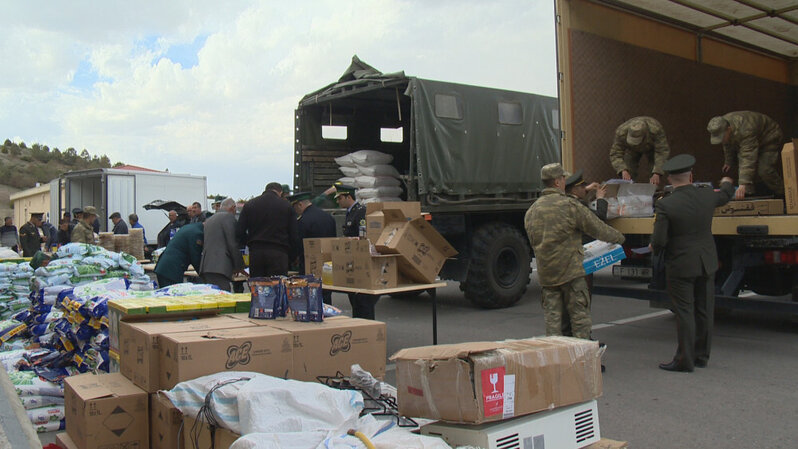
[[571, 427]]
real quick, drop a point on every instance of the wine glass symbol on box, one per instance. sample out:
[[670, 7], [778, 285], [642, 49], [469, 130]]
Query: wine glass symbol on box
[[494, 379]]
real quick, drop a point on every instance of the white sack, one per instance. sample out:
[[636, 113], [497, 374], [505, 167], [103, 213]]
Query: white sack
[[345, 161], [350, 171], [377, 170], [375, 181], [368, 158], [374, 192]]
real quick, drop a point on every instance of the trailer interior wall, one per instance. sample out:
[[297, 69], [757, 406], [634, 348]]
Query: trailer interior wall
[[616, 65]]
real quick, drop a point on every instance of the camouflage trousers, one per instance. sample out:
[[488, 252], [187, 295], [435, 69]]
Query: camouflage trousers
[[768, 172], [632, 161], [572, 296]]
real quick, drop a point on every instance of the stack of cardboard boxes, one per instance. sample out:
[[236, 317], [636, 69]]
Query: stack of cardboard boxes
[[125, 409], [401, 247]]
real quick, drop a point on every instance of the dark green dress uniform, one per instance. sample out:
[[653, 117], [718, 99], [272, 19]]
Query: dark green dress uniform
[[29, 239], [683, 232], [362, 304], [355, 218], [183, 249], [313, 223]]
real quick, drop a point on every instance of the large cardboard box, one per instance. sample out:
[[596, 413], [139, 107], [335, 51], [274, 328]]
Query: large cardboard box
[[354, 266], [376, 219], [751, 207], [63, 441], [600, 254], [335, 344], [139, 354], [165, 422], [188, 355], [789, 161], [422, 249], [221, 439], [106, 410], [490, 381], [317, 251]]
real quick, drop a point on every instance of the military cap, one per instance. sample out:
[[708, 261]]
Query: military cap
[[286, 189], [574, 180], [637, 130], [717, 127], [551, 171], [115, 215], [76, 211], [37, 215], [91, 210], [301, 196], [39, 258], [344, 190], [679, 164]]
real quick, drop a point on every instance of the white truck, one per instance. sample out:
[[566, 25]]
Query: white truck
[[125, 191]]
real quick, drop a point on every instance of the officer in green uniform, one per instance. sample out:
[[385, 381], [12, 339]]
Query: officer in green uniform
[[29, 238], [183, 249], [362, 304], [683, 232], [555, 224], [637, 137], [312, 223], [752, 141]]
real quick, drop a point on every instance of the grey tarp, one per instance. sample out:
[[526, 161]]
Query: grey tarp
[[476, 154]]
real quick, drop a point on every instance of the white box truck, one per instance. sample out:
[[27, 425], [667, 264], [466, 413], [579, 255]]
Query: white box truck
[[125, 191]]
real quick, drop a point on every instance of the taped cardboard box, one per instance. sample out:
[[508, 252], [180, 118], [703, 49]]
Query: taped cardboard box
[[376, 219], [751, 207], [422, 249], [106, 410], [354, 266], [479, 382], [221, 437], [165, 422], [139, 354], [188, 355], [335, 344], [789, 161], [317, 251]]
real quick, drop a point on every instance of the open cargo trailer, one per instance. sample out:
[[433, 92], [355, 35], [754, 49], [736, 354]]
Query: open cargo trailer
[[471, 155], [684, 62]]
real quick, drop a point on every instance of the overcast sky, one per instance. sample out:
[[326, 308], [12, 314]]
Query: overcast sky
[[209, 88]]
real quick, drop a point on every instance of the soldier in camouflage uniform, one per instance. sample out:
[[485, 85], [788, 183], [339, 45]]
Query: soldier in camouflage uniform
[[633, 139], [555, 224], [84, 230], [753, 142]]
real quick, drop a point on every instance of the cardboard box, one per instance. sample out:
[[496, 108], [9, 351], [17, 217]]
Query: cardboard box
[[222, 438], [323, 349], [106, 410], [480, 382], [317, 251], [600, 254], [751, 207], [139, 354], [606, 443], [165, 422], [354, 266], [376, 219], [63, 441], [188, 355], [422, 249], [789, 162]]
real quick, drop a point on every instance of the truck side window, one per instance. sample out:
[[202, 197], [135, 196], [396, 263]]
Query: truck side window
[[394, 135], [510, 113], [329, 132], [448, 106]]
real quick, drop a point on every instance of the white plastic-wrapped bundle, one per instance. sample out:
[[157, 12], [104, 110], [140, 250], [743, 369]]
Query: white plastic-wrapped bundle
[[379, 192], [345, 161], [351, 172], [376, 181], [378, 170], [107, 240], [347, 181], [368, 158]]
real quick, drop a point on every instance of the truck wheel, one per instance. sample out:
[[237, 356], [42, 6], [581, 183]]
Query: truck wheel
[[499, 269]]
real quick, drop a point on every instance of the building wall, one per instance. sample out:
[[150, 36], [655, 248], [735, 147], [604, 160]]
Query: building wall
[[36, 199]]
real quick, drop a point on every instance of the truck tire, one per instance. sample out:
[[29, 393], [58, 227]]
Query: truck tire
[[499, 269]]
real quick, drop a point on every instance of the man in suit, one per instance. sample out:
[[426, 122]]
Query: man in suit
[[312, 223], [267, 225], [221, 258], [183, 249], [683, 232]]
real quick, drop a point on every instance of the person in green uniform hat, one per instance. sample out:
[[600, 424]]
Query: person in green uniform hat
[[683, 234]]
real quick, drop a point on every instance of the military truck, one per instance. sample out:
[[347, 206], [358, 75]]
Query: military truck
[[683, 63], [470, 155]]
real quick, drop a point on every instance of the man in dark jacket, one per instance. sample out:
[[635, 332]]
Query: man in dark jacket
[[8, 235], [267, 224], [183, 249], [683, 231], [120, 227], [29, 238], [313, 223]]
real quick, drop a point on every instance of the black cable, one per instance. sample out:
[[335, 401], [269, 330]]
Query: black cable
[[205, 415]]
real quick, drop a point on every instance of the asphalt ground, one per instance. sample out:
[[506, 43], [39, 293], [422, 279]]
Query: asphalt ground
[[745, 398]]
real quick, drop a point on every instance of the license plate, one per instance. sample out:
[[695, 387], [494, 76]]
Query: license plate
[[631, 272]]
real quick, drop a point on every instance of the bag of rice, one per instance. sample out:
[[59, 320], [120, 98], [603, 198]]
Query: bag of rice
[[370, 157]]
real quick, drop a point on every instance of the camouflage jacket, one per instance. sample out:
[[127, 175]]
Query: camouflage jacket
[[83, 233], [751, 133], [654, 145], [554, 224]]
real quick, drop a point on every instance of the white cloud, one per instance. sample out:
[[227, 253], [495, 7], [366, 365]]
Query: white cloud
[[230, 117]]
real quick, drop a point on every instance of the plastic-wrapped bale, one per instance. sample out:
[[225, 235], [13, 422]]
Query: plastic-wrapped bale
[[121, 243], [107, 240], [136, 243]]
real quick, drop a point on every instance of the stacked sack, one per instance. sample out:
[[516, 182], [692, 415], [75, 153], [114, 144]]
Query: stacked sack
[[370, 171], [14, 287]]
